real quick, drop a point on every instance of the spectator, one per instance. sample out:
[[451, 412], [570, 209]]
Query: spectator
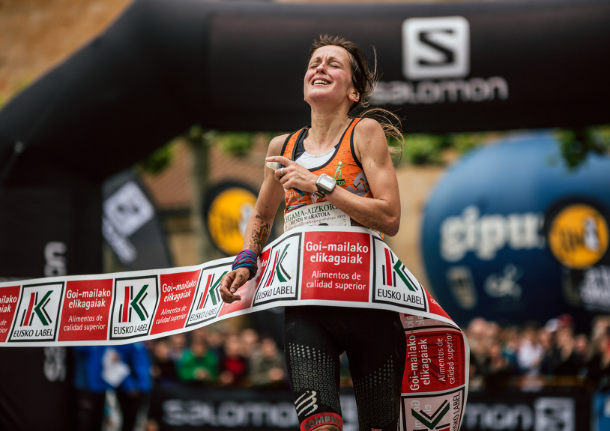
[[215, 341], [530, 353], [233, 366], [566, 360], [268, 367], [198, 364], [496, 368], [598, 366], [476, 332], [510, 338], [199, 334], [476, 335], [249, 339], [164, 368], [90, 387], [581, 347], [177, 347], [546, 338], [134, 391]]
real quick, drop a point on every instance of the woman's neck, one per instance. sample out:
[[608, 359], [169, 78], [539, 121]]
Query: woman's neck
[[326, 130]]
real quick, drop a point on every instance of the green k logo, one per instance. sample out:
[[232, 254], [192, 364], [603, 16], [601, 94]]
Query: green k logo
[[40, 311], [400, 270], [282, 274], [137, 305], [431, 421]]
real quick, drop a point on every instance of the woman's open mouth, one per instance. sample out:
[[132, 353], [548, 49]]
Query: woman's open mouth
[[321, 82]]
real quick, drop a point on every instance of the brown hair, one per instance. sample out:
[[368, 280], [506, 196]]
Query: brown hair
[[364, 80]]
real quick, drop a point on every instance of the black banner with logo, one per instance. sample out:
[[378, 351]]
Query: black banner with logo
[[131, 225], [525, 411], [180, 408], [443, 67], [188, 408]]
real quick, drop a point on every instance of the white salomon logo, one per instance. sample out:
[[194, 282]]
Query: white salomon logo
[[304, 402], [436, 47]]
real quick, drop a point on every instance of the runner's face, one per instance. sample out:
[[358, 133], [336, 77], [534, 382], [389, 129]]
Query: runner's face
[[329, 77]]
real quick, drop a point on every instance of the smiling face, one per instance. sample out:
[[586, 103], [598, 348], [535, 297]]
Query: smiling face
[[328, 79]]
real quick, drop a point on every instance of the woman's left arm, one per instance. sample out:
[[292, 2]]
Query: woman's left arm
[[381, 213]]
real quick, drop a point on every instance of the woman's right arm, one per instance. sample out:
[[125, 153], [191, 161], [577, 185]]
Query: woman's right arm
[[259, 224]]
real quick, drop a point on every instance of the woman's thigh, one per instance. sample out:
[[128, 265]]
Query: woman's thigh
[[312, 359], [377, 361]]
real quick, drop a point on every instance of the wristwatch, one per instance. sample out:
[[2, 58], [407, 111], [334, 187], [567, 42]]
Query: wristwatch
[[325, 184]]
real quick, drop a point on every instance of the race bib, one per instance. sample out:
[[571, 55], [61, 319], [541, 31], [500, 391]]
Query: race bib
[[320, 214]]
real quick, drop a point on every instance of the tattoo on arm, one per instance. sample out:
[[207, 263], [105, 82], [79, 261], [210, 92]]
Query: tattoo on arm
[[259, 238]]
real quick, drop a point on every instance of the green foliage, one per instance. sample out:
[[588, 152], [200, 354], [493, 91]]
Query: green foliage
[[423, 149], [576, 144], [235, 144], [158, 161], [465, 142]]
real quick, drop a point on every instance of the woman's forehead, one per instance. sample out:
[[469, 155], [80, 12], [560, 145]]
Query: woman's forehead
[[330, 51]]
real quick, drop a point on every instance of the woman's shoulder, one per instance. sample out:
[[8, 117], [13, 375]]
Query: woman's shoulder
[[276, 144], [369, 136], [368, 128]]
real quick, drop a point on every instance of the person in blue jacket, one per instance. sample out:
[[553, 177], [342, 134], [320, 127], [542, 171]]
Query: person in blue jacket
[[91, 380], [90, 387], [133, 393]]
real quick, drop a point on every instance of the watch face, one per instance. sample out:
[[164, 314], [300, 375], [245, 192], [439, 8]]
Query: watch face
[[326, 182]]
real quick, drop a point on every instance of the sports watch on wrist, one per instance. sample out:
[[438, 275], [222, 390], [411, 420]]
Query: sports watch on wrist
[[325, 184]]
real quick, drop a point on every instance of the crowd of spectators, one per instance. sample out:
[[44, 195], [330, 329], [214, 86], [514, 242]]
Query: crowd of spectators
[[555, 352], [500, 356], [214, 356], [220, 357]]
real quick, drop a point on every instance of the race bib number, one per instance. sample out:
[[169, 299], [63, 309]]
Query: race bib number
[[320, 214]]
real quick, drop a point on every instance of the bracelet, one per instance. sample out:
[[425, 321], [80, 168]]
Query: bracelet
[[246, 259]]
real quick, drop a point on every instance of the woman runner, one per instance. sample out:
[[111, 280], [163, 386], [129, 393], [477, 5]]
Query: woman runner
[[343, 160]]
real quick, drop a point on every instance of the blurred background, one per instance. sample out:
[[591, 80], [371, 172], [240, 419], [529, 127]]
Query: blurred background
[[133, 136]]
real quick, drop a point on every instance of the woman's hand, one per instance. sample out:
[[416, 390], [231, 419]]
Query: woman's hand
[[231, 282], [293, 175]]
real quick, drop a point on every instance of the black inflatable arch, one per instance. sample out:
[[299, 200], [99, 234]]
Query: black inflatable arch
[[163, 66]]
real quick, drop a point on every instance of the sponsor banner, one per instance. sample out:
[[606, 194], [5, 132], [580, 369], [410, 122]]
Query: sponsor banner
[[435, 381], [176, 298], [393, 282], [433, 412], [181, 408], [207, 302], [435, 361], [338, 266], [135, 301], [323, 266], [546, 410], [85, 312], [37, 313], [280, 279]]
